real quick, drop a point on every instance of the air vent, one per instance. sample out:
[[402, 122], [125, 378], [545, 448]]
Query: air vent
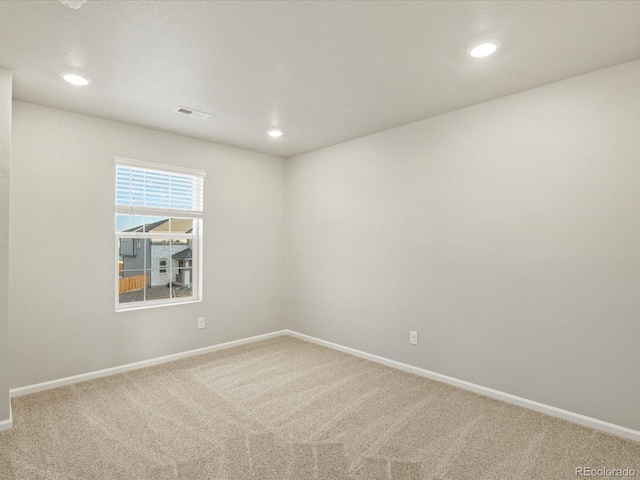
[[192, 113]]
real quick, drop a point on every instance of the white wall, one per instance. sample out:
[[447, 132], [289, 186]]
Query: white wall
[[62, 246], [507, 234], [5, 153]]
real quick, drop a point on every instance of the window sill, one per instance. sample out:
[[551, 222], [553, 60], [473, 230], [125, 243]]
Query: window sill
[[147, 305]]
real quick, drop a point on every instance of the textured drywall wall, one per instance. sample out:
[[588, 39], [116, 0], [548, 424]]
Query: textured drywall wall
[[62, 246], [5, 155], [507, 234]]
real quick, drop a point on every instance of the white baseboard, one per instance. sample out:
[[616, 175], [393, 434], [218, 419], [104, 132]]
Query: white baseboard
[[489, 392], [38, 387], [7, 424]]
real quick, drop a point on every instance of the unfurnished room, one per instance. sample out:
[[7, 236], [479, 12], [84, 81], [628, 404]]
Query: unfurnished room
[[319, 240]]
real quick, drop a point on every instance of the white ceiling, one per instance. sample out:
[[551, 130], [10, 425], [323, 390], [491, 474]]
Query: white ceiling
[[325, 72]]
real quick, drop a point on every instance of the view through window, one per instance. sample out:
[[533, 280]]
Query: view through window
[[158, 234]]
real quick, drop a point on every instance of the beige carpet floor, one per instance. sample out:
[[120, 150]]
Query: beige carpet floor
[[287, 409]]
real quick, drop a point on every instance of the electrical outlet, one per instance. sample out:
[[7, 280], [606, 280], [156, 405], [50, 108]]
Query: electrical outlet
[[200, 323], [413, 337]]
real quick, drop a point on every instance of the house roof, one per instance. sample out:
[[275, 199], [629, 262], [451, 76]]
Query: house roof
[[147, 227], [182, 255]]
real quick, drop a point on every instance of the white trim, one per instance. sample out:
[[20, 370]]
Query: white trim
[[489, 392], [39, 387], [162, 167], [137, 211], [162, 302], [7, 424], [155, 235]]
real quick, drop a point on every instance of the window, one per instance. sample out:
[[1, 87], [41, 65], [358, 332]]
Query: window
[[158, 228]]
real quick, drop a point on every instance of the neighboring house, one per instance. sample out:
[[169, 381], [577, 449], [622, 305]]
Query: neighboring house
[[166, 261]]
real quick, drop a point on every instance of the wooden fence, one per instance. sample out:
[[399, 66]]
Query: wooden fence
[[130, 284]]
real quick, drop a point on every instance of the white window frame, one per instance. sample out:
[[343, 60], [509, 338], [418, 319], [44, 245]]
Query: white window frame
[[196, 215]]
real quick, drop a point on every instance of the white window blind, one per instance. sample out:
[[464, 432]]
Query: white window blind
[[144, 188]]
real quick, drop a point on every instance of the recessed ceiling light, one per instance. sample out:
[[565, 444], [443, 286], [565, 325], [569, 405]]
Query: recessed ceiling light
[[75, 4], [484, 49], [74, 79], [274, 133]]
